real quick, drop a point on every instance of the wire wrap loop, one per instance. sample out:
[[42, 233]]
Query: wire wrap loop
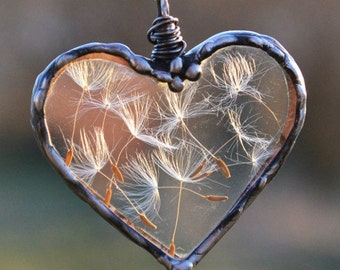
[[166, 37]]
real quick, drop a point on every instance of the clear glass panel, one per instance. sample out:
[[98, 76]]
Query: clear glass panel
[[171, 165]]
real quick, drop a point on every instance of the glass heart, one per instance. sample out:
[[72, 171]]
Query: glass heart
[[169, 168]]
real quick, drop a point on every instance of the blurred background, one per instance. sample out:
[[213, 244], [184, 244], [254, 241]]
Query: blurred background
[[293, 224]]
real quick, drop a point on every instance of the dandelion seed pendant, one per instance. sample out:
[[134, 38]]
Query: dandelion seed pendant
[[172, 171]]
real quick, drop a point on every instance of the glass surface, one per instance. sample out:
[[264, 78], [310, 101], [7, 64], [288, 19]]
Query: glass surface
[[170, 165]]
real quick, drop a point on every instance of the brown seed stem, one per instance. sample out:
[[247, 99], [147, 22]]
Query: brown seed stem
[[117, 172], [147, 221], [69, 156], [108, 195], [172, 248], [215, 198], [199, 169], [223, 167]]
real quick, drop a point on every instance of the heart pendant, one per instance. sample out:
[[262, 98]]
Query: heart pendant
[[172, 171]]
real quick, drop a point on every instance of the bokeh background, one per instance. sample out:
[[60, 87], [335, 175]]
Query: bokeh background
[[293, 224]]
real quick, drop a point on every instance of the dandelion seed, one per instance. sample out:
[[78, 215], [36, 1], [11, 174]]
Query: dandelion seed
[[90, 74], [147, 221], [90, 156], [108, 195], [181, 163], [142, 187], [172, 248], [117, 172], [118, 91], [69, 157], [223, 167], [215, 198], [184, 164], [199, 169], [245, 130], [69, 153], [260, 152], [154, 141], [124, 194], [237, 74], [180, 107], [237, 79], [167, 141], [136, 117], [220, 163]]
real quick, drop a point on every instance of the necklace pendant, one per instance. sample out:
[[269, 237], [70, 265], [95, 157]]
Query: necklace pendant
[[172, 171]]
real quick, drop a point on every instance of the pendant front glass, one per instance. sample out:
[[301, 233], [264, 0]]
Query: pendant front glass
[[170, 165]]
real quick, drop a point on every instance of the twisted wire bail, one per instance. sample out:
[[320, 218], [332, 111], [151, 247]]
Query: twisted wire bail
[[165, 35]]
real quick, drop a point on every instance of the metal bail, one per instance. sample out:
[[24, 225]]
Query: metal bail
[[165, 35]]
